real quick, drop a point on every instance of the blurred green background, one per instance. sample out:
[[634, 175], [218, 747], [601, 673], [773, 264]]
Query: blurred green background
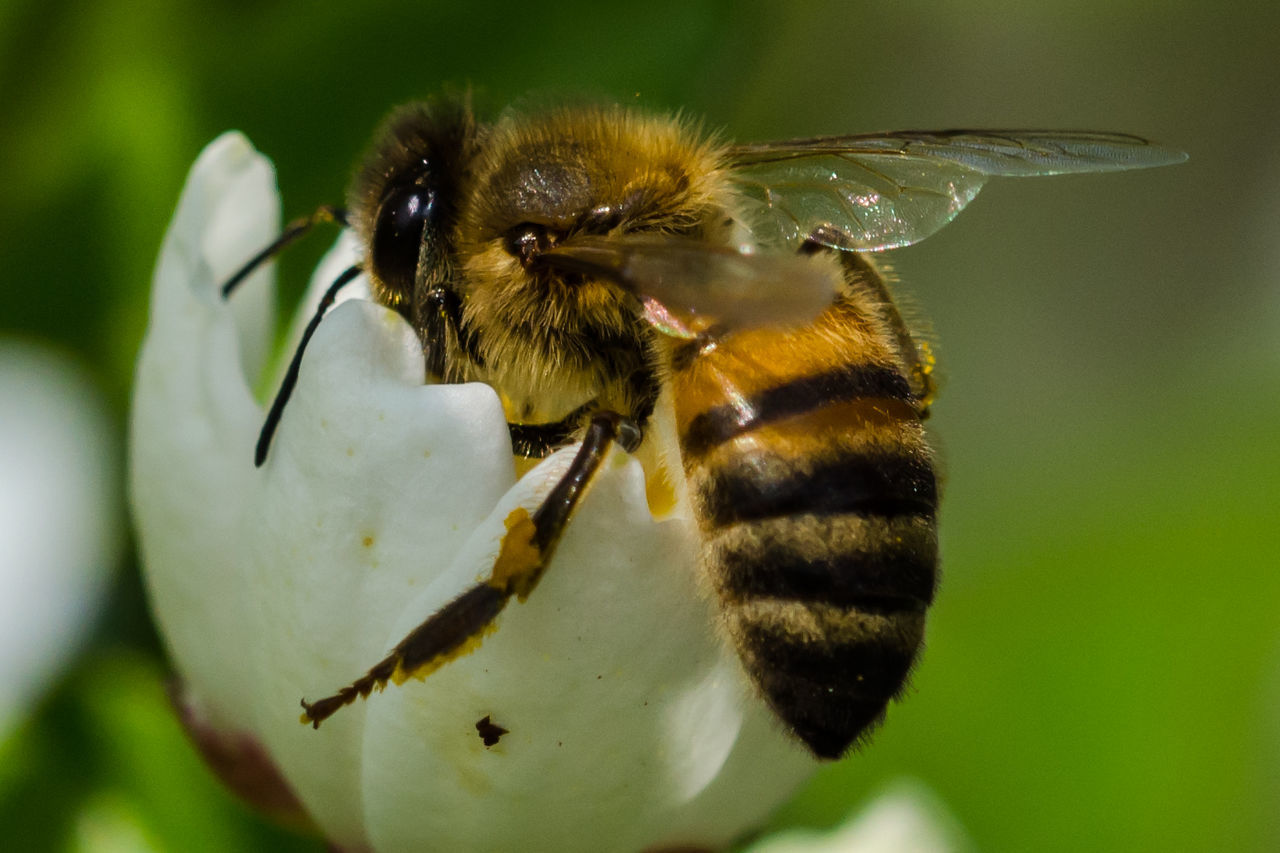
[[1103, 669]]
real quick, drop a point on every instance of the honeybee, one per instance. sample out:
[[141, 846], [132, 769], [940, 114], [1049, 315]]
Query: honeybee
[[607, 272]]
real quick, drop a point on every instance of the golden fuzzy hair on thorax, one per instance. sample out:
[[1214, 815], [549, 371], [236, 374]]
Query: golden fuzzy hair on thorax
[[561, 163]]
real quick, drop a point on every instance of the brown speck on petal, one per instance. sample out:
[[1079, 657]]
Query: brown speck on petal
[[240, 763]]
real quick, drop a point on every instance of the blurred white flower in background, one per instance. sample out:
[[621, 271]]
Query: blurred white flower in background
[[59, 519], [904, 818], [629, 722]]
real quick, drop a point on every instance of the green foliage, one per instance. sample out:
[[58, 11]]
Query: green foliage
[[105, 765]]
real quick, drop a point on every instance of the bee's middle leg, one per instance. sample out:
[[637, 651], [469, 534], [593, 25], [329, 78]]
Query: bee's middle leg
[[526, 549]]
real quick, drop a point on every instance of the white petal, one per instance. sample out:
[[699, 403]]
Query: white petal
[[905, 818], [194, 423], [229, 210], [373, 482], [58, 530], [594, 677]]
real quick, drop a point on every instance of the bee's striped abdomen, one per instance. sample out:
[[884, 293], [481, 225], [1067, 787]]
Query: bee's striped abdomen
[[816, 496]]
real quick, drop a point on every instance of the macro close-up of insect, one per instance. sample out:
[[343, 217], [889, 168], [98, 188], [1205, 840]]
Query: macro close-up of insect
[[720, 312], [624, 429]]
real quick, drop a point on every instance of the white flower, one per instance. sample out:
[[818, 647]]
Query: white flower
[[630, 722], [58, 524], [905, 818]]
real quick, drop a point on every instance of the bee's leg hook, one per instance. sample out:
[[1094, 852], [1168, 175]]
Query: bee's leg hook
[[526, 549]]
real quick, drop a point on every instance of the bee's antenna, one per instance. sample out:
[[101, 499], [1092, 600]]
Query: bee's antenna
[[293, 231], [291, 375]]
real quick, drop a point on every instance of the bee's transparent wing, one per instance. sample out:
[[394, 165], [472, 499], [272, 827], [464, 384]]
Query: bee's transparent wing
[[885, 191], [677, 279]]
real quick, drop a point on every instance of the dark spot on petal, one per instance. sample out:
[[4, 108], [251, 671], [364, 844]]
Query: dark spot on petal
[[490, 732]]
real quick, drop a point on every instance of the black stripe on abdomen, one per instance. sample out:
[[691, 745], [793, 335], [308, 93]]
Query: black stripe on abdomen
[[762, 484], [850, 382], [870, 665], [875, 566]]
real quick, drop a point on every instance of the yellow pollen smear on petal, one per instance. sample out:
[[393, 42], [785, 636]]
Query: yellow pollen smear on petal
[[519, 559], [660, 495]]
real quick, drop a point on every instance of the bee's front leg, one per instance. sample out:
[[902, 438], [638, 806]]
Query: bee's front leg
[[526, 549]]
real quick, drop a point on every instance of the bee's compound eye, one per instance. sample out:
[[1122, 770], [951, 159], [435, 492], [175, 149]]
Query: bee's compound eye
[[397, 237], [526, 240]]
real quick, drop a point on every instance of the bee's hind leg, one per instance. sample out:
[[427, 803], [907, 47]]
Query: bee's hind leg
[[860, 274], [526, 549]]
